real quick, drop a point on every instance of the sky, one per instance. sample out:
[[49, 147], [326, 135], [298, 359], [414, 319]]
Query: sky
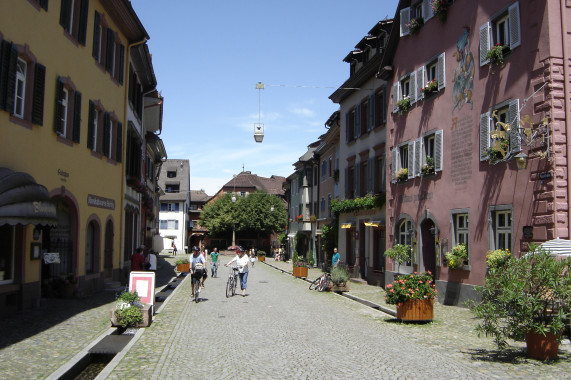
[[208, 57]]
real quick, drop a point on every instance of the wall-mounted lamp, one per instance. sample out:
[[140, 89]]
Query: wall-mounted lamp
[[36, 234], [521, 160]]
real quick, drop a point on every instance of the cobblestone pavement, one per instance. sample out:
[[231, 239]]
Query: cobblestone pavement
[[280, 330]]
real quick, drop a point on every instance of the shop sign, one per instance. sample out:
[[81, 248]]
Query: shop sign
[[100, 202]]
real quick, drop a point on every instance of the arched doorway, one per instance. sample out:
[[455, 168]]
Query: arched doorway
[[428, 231], [108, 250]]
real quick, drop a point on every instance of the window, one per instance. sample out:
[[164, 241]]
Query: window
[[73, 18], [67, 122], [405, 87], [379, 112], [171, 174], [133, 153], [172, 188], [379, 242], [379, 186], [193, 207], [22, 84], [330, 166], [350, 182], [500, 228], [169, 224], [503, 28], [418, 9], [400, 157], [404, 235], [497, 144], [461, 230], [427, 154], [433, 70], [329, 205], [135, 93], [107, 49], [353, 124], [174, 206], [364, 185], [7, 254]]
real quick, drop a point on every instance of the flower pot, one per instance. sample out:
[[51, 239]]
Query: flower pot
[[541, 347], [342, 287], [183, 267], [261, 258], [416, 310], [300, 271]]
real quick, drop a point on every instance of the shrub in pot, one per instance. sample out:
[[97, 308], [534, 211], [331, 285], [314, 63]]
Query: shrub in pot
[[129, 309]]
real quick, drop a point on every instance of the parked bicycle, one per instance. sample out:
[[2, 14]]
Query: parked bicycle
[[196, 278], [321, 283], [232, 281]]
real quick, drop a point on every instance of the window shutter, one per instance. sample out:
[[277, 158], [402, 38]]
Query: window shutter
[[484, 43], [76, 117], [106, 134], [346, 183], [420, 82], [38, 94], [371, 176], [485, 121], [357, 121], [384, 105], [371, 110], [427, 10], [418, 156], [441, 70], [83, 12], [347, 124], [514, 22], [513, 117], [412, 89], [96, 37], [404, 21], [356, 180], [438, 141], [119, 147], [396, 96], [58, 126], [121, 63], [394, 168], [8, 76], [64, 14], [91, 126], [44, 4], [411, 154], [110, 47]]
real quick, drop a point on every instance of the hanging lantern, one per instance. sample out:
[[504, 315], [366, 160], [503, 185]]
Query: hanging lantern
[[258, 132]]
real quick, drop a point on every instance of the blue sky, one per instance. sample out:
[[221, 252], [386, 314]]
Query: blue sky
[[208, 57]]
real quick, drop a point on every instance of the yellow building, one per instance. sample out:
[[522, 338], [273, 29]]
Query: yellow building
[[63, 105]]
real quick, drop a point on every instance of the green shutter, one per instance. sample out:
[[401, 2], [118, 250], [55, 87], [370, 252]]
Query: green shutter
[[76, 118], [91, 126], [110, 48], [58, 126], [64, 14], [96, 37], [8, 76], [119, 146], [83, 12], [38, 94]]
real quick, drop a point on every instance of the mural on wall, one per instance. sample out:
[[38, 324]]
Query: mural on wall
[[464, 73]]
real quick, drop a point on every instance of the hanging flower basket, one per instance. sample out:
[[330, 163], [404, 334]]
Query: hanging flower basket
[[440, 9]]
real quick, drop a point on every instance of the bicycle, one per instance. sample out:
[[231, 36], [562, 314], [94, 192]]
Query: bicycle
[[232, 282], [196, 280], [321, 283]]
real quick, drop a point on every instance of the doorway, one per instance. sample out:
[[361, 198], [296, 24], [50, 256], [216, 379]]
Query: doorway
[[108, 250], [428, 231]]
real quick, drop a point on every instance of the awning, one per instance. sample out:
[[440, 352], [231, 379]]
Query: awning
[[23, 201], [558, 247]]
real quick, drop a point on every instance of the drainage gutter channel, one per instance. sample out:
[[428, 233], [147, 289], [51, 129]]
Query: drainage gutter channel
[[370, 304], [82, 359]]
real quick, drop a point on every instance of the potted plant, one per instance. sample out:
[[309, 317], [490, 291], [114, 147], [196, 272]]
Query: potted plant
[[527, 297], [496, 54], [340, 279], [128, 311], [403, 105], [440, 9], [499, 150], [415, 25], [399, 253], [312, 218], [457, 257], [299, 266], [402, 175], [299, 218], [261, 255], [497, 258], [431, 87], [182, 265], [414, 296], [428, 167]]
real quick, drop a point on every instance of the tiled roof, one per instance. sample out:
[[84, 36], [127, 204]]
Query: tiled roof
[[246, 179], [199, 196], [182, 179]]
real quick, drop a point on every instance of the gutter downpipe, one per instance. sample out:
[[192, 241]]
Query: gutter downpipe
[[567, 118]]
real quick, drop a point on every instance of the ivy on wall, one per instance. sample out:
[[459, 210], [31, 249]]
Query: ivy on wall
[[367, 202]]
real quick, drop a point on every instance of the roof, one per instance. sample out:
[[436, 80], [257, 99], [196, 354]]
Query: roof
[[199, 196], [122, 12], [272, 185], [181, 168]]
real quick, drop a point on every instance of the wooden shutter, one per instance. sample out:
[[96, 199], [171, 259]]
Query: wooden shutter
[[109, 50], [64, 14], [58, 125], [44, 4], [514, 23], [427, 10], [83, 12], [411, 155], [356, 180], [441, 71], [106, 134], [395, 159], [76, 117], [418, 156], [96, 37], [404, 21], [347, 125], [484, 43], [8, 76], [420, 82], [396, 96], [357, 121], [371, 110], [91, 126], [371, 176], [384, 105], [412, 87], [438, 150], [514, 136], [121, 68], [119, 146], [38, 94], [485, 121], [347, 183]]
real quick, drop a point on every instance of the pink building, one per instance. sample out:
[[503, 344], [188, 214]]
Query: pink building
[[459, 123]]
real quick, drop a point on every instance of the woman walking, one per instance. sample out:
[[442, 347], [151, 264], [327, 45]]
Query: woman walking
[[241, 260]]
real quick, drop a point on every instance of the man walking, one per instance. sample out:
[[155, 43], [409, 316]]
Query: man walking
[[214, 262], [336, 257]]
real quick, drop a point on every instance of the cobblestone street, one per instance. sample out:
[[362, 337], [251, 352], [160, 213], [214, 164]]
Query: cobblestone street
[[279, 330]]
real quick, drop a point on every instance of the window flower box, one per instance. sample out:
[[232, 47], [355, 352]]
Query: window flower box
[[415, 25], [428, 168], [440, 9], [430, 88], [402, 175], [403, 105], [496, 54]]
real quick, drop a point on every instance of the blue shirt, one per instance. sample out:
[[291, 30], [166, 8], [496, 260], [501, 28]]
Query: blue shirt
[[336, 258], [197, 259]]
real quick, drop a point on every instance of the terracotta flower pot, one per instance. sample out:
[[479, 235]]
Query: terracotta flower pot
[[541, 347], [416, 310]]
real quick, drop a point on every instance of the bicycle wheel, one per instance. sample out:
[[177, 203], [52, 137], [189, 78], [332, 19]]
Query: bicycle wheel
[[324, 284], [229, 286], [235, 285], [315, 283]]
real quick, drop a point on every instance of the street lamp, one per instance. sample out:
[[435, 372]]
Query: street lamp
[[233, 223], [259, 127]]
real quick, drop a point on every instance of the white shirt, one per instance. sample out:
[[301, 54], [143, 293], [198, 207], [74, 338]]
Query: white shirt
[[241, 262], [153, 262]]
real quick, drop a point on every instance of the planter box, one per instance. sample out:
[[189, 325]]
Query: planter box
[[339, 288], [261, 258], [416, 310], [541, 347], [147, 317], [183, 267], [300, 271]]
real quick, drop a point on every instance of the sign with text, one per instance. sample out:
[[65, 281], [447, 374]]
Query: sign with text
[[95, 201], [51, 258], [144, 284]]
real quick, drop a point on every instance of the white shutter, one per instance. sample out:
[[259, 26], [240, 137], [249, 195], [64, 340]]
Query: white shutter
[[427, 10], [485, 122], [396, 96], [418, 159], [412, 87], [484, 43], [438, 153], [411, 153], [441, 71], [514, 23], [395, 160], [420, 82], [404, 21], [513, 117]]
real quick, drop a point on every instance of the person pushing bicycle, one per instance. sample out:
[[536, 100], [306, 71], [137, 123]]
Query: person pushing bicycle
[[198, 266]]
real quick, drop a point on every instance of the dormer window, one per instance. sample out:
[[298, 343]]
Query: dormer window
[[171, 174]]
